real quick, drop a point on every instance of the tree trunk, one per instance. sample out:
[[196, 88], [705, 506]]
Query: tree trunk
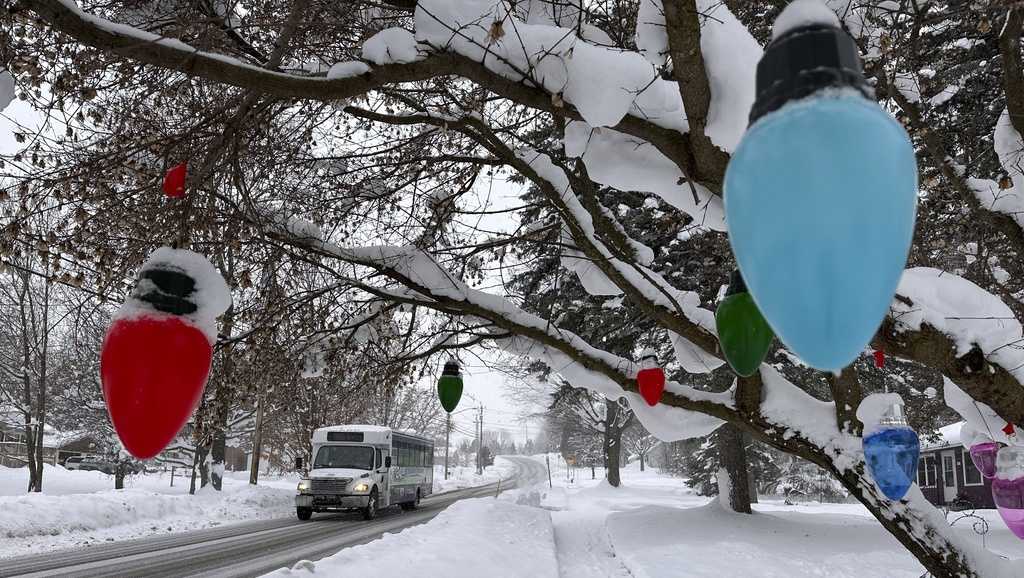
[[612, 443], [119, 475], [35, 476], [748, 440], [217, 451], [733, 487], [257, 444], [641, 462]]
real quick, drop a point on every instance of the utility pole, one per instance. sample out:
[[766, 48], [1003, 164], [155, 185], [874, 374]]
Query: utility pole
[[479, 438], [447, 433]]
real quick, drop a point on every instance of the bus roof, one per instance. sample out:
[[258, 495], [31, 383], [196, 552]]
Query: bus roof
[[376, 429]]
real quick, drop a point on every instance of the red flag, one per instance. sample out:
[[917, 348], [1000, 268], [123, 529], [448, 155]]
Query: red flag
[[174, 181]]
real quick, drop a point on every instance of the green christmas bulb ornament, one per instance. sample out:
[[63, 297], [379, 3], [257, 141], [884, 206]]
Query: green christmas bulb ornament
[[449, 386], [742, 330]]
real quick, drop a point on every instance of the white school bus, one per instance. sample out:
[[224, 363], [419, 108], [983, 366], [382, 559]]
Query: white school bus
[[366, 468]]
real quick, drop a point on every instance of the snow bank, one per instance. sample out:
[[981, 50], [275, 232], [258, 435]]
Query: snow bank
[[472, 538], [41, 514], [466, 477], [78, 508]]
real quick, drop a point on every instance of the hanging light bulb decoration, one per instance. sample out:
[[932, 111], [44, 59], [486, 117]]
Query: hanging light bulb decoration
[[449, 386], [650, 380], [157, 352], [743, 333], [891, 448], [984, 457], [1008, 487], [820, 194], [174, 181]]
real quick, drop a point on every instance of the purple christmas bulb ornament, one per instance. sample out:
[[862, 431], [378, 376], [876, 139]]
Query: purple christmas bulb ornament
[[1008, 488], [984, 457]]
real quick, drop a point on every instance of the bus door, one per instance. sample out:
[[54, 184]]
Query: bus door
[[383, 478]]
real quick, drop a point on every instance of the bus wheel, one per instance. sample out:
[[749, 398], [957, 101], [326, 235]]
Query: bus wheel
[[304, 513], [370, 511]]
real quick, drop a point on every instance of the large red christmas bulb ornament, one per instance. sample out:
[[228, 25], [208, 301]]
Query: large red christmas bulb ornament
[[174, 181], [651, 378], [157, 353]]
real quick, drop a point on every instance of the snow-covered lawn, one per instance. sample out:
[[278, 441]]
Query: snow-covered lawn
[[653, 526], [466, 477], [80, 508], [472, 538]]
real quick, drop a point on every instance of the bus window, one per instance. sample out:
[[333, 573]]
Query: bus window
[[380, 460]]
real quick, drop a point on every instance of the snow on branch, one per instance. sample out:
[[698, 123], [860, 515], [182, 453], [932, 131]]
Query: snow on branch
[[628, 163], [552, 58], [1006, 197], [969, 315]]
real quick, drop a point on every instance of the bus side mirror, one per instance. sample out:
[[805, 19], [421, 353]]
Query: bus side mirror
[[387, 461], [298, 463]]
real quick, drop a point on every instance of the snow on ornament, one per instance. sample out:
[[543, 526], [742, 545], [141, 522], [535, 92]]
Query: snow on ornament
[[743, 333], [1008, 487], [157, 352], [650, 379], [449, 386], [174, 181], [891, 448], [820, 194]]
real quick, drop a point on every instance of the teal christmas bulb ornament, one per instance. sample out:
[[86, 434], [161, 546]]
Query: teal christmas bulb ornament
[[820, 198]]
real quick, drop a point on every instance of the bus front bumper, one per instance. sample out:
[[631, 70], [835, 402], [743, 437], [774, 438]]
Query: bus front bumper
[[330, 502]]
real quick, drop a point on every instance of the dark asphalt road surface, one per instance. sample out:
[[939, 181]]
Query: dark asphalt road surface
[[248, 548]]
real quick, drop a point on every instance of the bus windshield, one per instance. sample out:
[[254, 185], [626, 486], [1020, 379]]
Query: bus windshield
[[356, 457]]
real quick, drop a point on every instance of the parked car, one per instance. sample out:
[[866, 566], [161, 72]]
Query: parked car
[[74, 462], [98, 464]]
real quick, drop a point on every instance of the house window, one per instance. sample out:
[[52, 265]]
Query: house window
[[972, 477], [926, 472]]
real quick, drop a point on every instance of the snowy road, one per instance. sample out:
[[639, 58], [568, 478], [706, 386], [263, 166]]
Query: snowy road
[[250, 548]]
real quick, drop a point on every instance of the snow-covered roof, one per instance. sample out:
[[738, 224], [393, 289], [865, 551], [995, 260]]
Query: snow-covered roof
[[356, 427], [949, 436]]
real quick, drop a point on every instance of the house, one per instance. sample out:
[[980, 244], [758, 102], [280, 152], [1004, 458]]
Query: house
[[57, 446], [945, 472]]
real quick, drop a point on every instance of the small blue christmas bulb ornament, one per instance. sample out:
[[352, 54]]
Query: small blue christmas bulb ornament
[[820, 195], [891, 450]]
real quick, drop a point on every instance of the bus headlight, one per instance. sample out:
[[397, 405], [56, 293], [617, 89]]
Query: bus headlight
[[304, 487], [361, 487]]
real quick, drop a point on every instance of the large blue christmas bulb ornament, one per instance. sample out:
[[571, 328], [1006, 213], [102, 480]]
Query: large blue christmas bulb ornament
[[820, 198], [891, 453]]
